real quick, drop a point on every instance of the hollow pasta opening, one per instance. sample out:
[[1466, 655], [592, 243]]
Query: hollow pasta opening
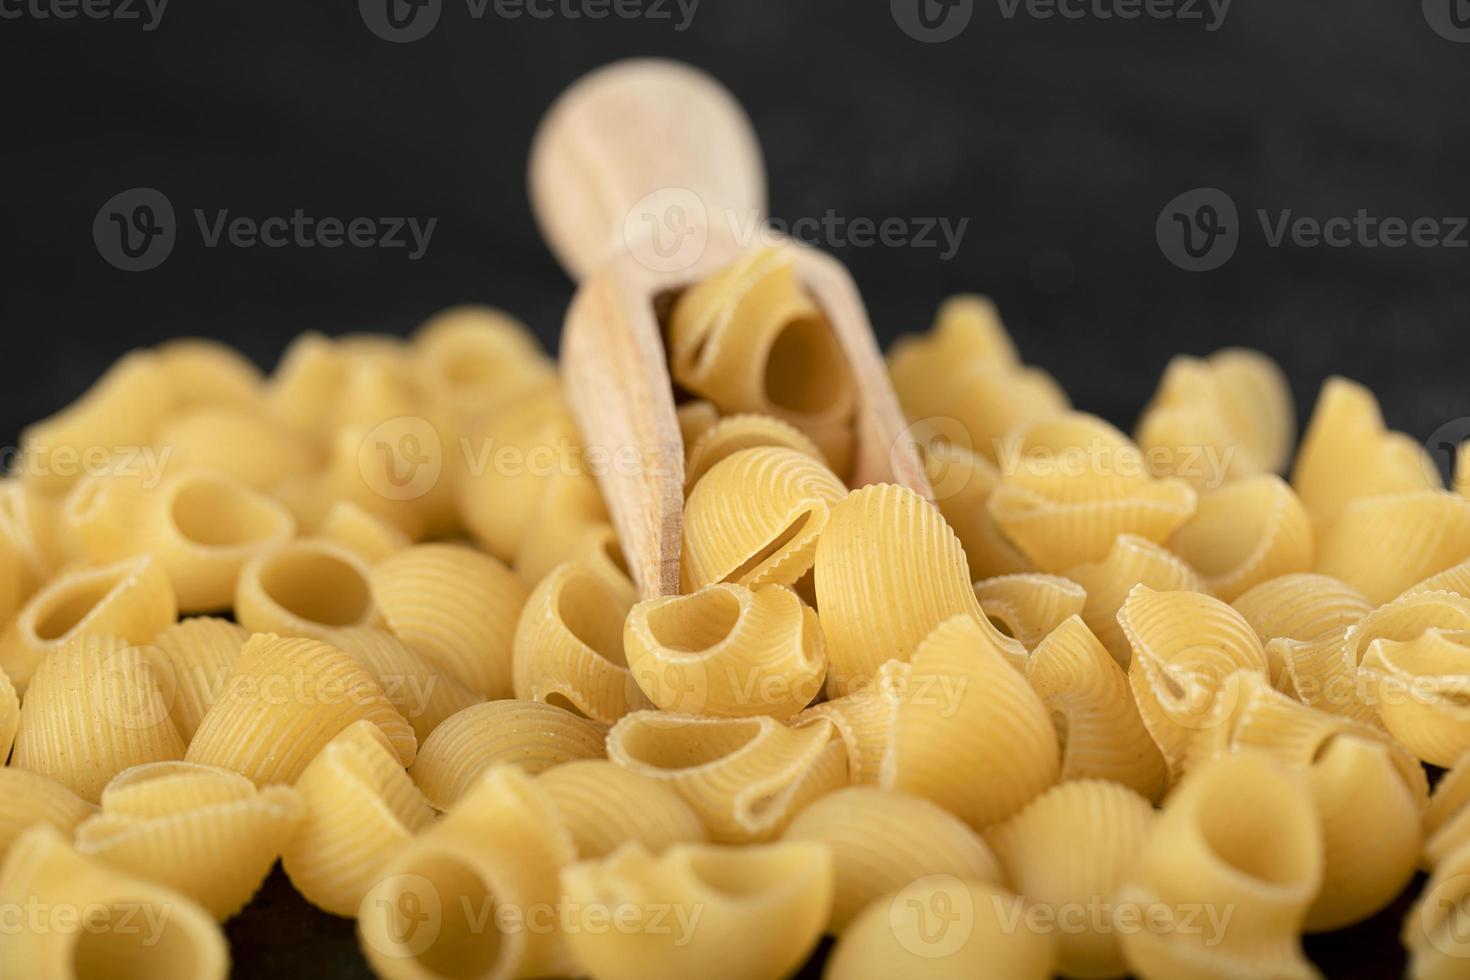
[[805, 369], [592, 614], [317, 586], [777, 545], [72, 605], [139, 940], [667, 744], [220, 514], [559, 700], [468, 942], [1227, 529], [1255, 830], [694, 623]]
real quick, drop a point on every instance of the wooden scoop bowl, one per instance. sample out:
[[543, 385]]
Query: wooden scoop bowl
[[642, 176]]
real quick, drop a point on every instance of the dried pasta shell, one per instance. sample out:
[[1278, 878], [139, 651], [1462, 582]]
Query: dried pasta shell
[[745, 777], [238, 442], [1092, 707], [29, 798], [130, 599], [888, 571], [1430, 531], [1030, 605], [286, 700], [305, 588], [1238, 833], [203, 372], [1245, 533], [727, 650], [864, 718], [456, 606], [963, 481], [729, 435], [1130, 561], [216, 850], [1185, 645], [9, 716], [760, 910], [1301, 606], [1418, 687], [424, 693], [571, 522], [1071, 849], [361, 809], [696, 417], [568, 647], [881, 840], [478, 358], [93, 709], [755, 517], [603, 806], [1434, 930], [970, 711], [1349, 689], [126, 926], [197, 657], [529, 734], [941, 928], [500, 849], [369, 537], [1455, 579]]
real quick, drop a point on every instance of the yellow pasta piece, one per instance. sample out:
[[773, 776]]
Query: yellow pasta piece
[[1334, 665], [456, 606], [696, 417], [371, 538], [889, 570], [305, 588], [206, 372], [1072, 484], [881, 840], [864, 718], [94, 708], [970, 711], [130, 599], [29, 798], [478, 358], [745, 777], [593, 542], [1301, 606], [1239, 833], [101, 922], [1070, 850], [727, 650], [749, 340], [119, 413], [1130, 561], [287, 698], [698, 910], [9, 716], [1418, 687], [755, 517], [1185, 644], [1030, 605], [205, 832], [241, 443], [360, 810], [1462, 470], [603, 806], [302, 391], [733, 433], [944, 928], [966, 327], [1245, 533], [398, 469], [529, 734], [1434, 929], [201, 527], [569, 520], [1091, 704], [963, 481], [1455, 579], [486, 877], [568, 647], [1430, 531], [197, 657], [424, 693]]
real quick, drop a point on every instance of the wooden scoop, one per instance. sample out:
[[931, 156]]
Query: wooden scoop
[[645, 175]]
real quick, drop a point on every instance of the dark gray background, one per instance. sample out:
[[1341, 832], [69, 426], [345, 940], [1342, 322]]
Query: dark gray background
[[1060, 140]]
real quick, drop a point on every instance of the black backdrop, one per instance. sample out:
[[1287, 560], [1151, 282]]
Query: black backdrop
[[1059, 139]]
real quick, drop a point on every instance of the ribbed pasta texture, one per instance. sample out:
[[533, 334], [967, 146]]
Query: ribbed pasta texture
[[1245, 533], [360, 809], [29, 798], [370, 538], [238, 442], [966, 710], [963, 480], [883, 839], [864, 719], [745, 777], [1430, 531], [603, 806], [1030, 605], [727, 650], [727, 436], [755, 517], [1130, 561], [205, 832], [1418, 687], [132, 927], [528, 734], [9, 715], [287, 698], [699, 909], [197, 655], [424, 693], [1432, 931], [456, 606], [305, 587], [94, 708], [479, 359]]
